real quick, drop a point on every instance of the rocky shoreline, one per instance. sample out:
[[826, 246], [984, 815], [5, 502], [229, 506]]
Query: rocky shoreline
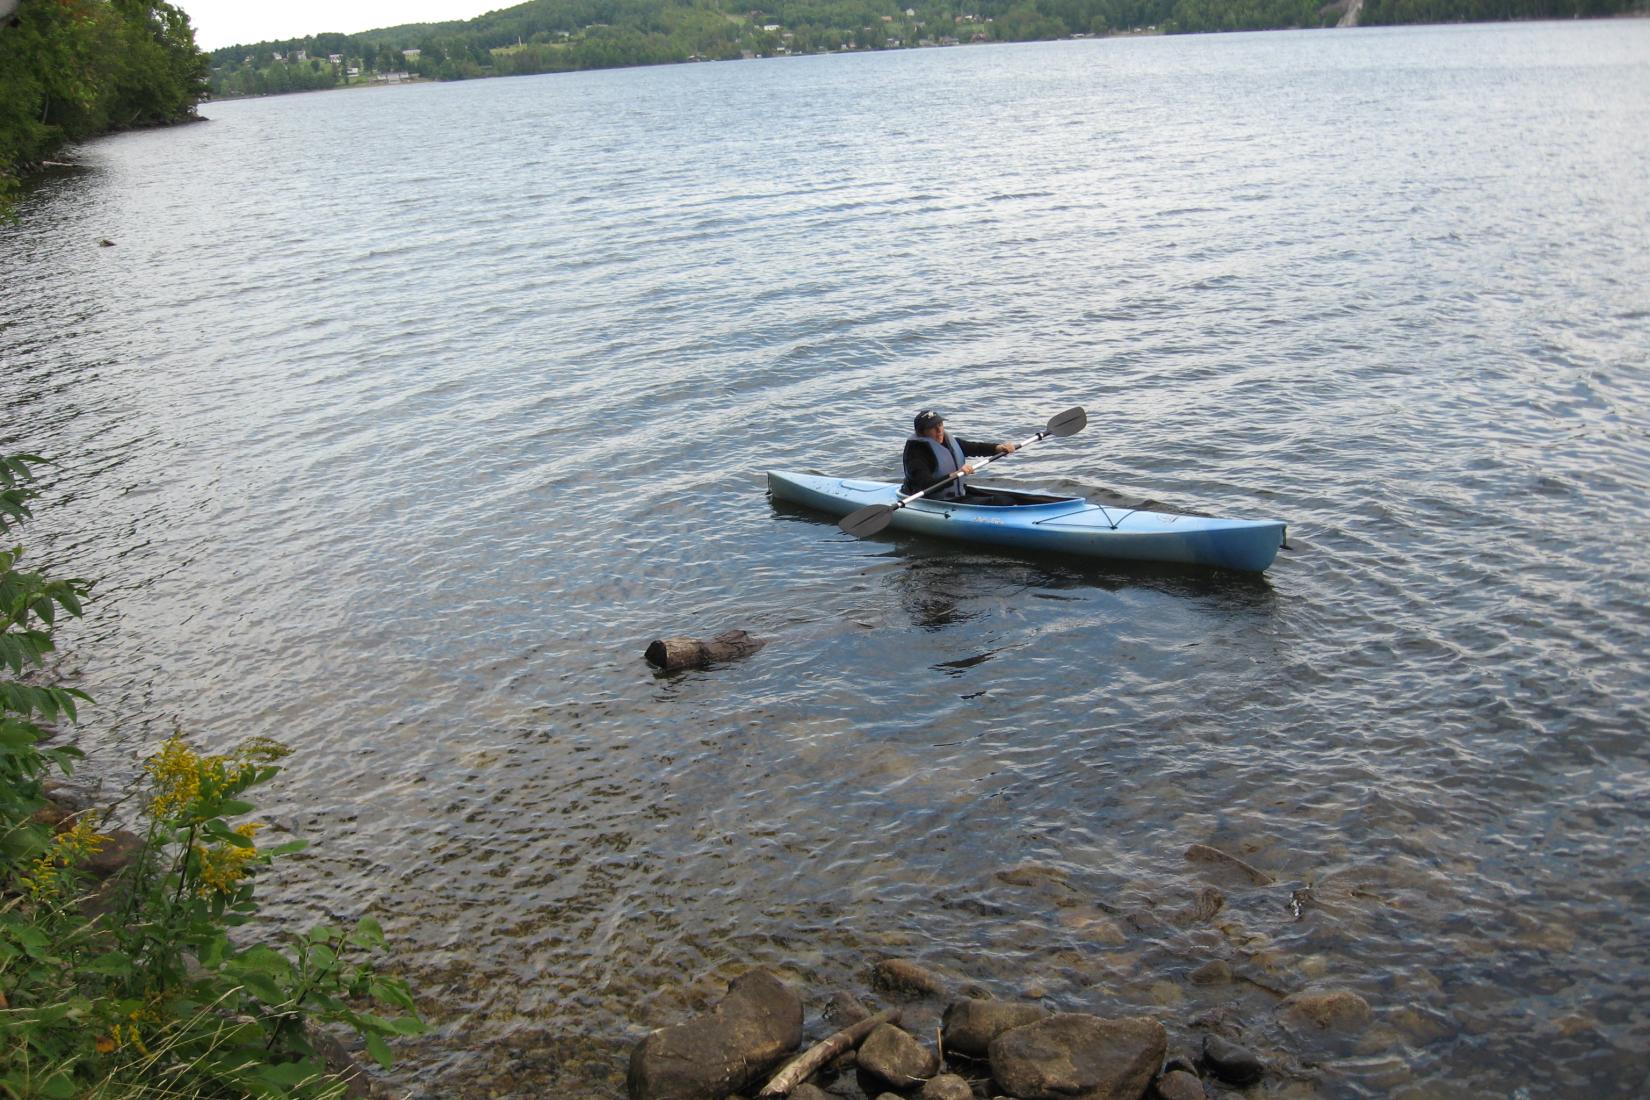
[[936, 1046], [1211, 1028], [917, 1034]]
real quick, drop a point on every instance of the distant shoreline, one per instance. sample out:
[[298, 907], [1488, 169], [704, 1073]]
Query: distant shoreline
[[1351, 7]]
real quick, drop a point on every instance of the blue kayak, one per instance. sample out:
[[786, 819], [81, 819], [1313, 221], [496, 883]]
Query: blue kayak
[[1040, 521]]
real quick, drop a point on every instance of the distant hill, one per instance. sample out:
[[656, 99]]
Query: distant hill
[[543, 36]]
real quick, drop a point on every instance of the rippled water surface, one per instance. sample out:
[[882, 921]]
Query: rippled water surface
[[395, 423]]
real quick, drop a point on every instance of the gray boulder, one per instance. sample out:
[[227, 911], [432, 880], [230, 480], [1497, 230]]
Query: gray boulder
[[891, 1055], [1178, 1085], [947, 1086], [1073, 1056], [1234, 1064], [722, 1051], [971, 1025]]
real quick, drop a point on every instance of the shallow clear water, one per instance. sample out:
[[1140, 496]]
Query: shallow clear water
[[397, 422]]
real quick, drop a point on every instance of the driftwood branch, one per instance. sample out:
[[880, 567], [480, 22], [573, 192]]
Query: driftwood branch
[[803, 1066]]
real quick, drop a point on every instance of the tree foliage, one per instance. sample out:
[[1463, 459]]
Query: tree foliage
[[70, 69]]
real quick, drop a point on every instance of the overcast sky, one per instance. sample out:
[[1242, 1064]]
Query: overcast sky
[[243, 22]]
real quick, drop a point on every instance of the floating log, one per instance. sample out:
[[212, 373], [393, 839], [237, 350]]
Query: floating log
[[671, 654], [804, 1065]]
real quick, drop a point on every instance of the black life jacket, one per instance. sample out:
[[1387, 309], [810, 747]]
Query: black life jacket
[[948, 458]]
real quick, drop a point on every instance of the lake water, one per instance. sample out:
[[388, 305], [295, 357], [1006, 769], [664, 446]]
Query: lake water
[[397, 422]]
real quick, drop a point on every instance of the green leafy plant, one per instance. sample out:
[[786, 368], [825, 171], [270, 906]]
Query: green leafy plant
[[29, 605], [136, 987]]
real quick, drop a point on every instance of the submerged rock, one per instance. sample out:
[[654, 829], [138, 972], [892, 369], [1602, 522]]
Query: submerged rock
[[1336, 1010], [905, 978], [1073, 1056], [1213, 972], [1034, 874], [844, 1009], [1203, 853], [1201, 909]]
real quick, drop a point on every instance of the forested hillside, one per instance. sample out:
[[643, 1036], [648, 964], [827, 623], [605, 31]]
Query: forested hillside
[[560, 35], [73, 68]]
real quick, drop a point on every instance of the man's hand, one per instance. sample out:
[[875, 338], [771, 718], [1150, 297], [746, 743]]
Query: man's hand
[[968, 468], [1007, 448]]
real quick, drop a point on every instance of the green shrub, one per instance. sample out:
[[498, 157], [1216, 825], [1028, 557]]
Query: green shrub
[[136, 988]]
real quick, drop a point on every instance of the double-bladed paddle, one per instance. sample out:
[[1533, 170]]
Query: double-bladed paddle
[[874, 517]]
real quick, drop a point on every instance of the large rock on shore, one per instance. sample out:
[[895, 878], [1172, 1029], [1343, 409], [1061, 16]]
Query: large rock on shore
[[1073, 1056], [892, 1056], [723, 1051], [971, 1025], [1178, 1085], [1231, 1062], [947, 1086]]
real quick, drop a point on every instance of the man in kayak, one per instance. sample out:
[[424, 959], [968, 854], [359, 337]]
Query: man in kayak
[[932, 453]]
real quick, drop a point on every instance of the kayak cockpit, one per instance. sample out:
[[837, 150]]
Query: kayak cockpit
[[1017, 502], [986, 497]]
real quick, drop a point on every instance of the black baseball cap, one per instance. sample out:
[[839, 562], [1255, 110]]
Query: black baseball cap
[[928, 419]]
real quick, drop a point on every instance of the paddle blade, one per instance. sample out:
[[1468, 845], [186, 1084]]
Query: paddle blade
[[1069, 422], [867, 521]]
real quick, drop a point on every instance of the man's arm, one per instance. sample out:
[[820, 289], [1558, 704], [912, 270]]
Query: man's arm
[[981, 450]]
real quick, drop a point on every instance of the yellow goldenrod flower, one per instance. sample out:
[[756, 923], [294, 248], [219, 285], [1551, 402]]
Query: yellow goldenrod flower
[[176, 774], [182, 777], [79, 842], [42, 879], [46, 878], [224, 865]]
